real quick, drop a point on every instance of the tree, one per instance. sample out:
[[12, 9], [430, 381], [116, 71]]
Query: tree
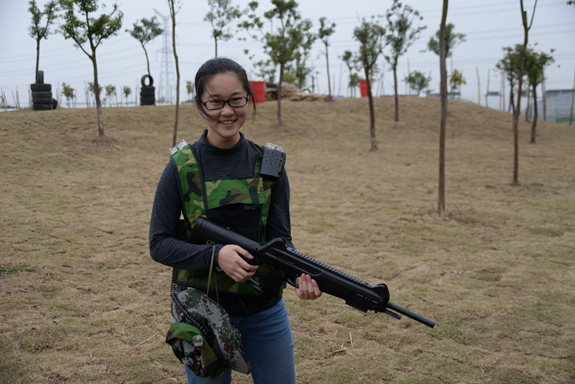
[[456, 80], [400, 36], [526, 28], [82, 28], [174, 8], [443, 119], [221, 14], [110, 91], [452, 40], [354, 80], [300, 69], [348, 59], [510, 65], [283, 42], [535, 64], [126, 90], [325, 31], [189, 89], [68, 92], [370, 37], [37, 30], [417, 81], [145, 32]]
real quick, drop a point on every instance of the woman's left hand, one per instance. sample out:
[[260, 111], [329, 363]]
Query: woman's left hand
[[308, 288]]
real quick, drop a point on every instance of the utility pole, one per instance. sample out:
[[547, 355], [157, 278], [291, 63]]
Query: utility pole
[[167, 66]]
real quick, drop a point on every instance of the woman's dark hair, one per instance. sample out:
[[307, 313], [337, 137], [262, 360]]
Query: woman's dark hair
[[217, 66]]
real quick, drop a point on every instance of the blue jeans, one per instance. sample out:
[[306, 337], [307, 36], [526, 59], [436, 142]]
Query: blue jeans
[[268, 345]]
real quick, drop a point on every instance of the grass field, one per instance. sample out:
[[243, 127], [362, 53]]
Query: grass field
[[81, 301]]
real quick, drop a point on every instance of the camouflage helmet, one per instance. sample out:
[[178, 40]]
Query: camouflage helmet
[[203, 338]]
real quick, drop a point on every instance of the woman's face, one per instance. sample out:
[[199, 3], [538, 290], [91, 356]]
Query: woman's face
[[224, 124]]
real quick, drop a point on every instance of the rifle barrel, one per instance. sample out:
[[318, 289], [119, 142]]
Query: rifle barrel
[[410, 314]]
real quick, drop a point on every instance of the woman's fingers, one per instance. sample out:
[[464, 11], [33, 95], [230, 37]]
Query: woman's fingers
[[308, 288]]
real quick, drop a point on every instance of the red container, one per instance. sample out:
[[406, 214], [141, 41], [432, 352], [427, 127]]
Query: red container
[[259, 90], [363, 88]]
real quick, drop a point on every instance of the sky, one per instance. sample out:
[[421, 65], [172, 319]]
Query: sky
[[489, 25]]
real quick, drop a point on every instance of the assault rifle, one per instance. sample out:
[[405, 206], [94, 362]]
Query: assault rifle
[[356, 293]]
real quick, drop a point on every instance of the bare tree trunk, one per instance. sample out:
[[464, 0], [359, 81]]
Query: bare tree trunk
[[340, 74], [147, 60], [37, 58], [544, 94], [173, 14], [487, 91], [572, 103], [534, 124], [516, 114], [520, 83], [216, 44], [97, 97], [502, 96], [279, 93], [511, 99], [396, 98], [478, 87], [328, 80], [443, 121], [528, 102], [371, 112]]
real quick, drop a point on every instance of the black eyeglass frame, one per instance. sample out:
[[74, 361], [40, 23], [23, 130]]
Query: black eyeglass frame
[[247, 98]]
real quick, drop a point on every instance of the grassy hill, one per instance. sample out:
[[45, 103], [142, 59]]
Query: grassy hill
[[81, 301]]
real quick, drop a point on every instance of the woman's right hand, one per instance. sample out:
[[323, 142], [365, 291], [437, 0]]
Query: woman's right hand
[[230, 260]]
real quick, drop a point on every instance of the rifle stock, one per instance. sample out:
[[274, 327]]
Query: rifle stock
[[356, 293]]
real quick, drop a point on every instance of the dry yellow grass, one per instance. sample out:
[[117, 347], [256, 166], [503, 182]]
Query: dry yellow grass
[[81, 301]]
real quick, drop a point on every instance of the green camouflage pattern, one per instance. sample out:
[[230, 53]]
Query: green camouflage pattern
[[207, 360], [201, 360], [197, 194], [190, 186]]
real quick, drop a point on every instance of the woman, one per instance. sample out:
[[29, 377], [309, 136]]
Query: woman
[[225, 161]]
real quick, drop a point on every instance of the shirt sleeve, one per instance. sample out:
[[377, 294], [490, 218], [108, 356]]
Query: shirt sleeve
[[279, 224], [165, 247]]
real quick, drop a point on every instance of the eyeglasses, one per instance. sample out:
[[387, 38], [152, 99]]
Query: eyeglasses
[[236, 102]]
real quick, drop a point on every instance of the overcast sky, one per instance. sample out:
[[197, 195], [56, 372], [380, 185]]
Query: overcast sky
[[488, 24]]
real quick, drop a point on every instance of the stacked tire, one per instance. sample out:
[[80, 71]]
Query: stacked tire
[[147, 96], [42, 94]]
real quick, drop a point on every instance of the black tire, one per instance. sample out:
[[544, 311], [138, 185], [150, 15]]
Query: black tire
[[148, 89], [42, 95], [40, 87], [54, 103], [147, 94], [41, 107], [147, 101], [143, 81], [40, 77], [39, 100]]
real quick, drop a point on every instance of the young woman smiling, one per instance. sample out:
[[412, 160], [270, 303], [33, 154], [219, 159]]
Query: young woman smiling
[[222, 162]]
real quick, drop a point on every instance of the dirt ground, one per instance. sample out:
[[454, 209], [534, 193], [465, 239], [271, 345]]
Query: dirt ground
[[81, 301]]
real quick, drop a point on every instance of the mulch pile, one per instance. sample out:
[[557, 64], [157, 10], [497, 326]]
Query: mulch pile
[[290, 92]]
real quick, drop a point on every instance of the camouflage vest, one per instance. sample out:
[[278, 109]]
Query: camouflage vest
[[199, 196]]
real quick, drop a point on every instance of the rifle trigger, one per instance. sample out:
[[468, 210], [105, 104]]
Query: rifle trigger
[[291, 281]]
